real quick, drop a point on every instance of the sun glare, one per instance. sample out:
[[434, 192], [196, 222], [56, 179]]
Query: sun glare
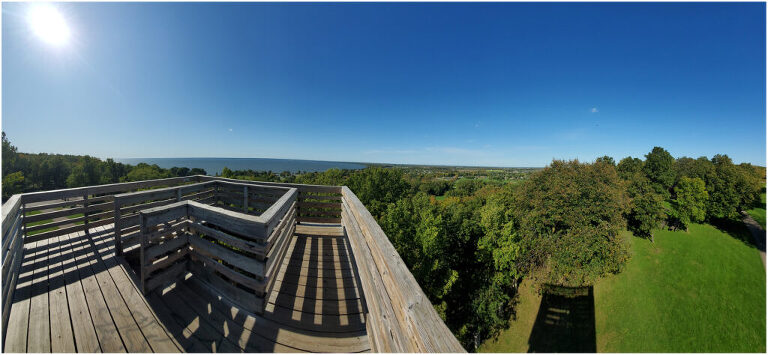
[[48, 24]]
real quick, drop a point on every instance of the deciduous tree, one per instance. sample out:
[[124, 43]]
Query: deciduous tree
[[658, 167], [690, 202]]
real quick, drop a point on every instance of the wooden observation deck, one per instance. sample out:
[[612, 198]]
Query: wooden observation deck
[[207, 264]]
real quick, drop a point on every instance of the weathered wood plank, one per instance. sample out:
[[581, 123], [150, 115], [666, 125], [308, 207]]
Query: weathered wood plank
[[102, 189], [318, 219], [243, 262], [244, 339], [277, 253], [62, 336], [159, 215], [166, 261], [14, 260], [319, 213], [414, 313], [174, 301], [241, 224], [243, 299], [152, 252], [158, 337], [129, 330], [166, 276], [106, 331], [10, 211], [53, 214], [295, 338], [386, 335], [188, 333], [246, 245], [13, 234], [161, 194], [167, 230], [16, 334], [256, 285], [86, 339], [54, 224], [39, 334]]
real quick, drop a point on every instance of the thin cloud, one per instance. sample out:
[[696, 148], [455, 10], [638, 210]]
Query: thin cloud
[[230, 129], [595, 110]]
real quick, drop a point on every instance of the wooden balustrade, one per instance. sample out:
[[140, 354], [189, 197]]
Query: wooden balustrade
[[127, 206], [12, 244], [236, 253], [79, 209], [233, 234], [316, 203]]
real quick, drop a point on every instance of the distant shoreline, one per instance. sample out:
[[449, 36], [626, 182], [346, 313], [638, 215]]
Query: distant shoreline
[[292, 165]]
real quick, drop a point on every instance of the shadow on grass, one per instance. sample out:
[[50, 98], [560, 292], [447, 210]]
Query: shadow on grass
[[735, 228], [565, 322]]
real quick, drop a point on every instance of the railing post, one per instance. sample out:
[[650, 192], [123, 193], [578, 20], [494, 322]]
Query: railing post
[[178, 194], [85, 212], [245, 199], [217, 194], [143, 241], [23, 211], [118, 229]]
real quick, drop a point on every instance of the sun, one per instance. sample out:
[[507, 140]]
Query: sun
[[48, 24]]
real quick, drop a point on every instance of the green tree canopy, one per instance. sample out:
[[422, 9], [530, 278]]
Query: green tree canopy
[[606, 159], [658, 167], [646, 207], [690, 202], [628, 167], [465, 187], [570, 217], [376, 187]]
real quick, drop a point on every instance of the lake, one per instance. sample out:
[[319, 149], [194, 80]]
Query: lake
[[215, 165]]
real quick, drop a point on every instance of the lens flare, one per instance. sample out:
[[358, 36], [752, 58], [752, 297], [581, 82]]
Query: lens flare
[[48, 24]]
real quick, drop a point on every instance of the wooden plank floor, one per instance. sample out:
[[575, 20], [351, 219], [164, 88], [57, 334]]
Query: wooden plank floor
[[73, 294]]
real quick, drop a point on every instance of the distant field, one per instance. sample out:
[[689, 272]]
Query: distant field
[[700, 291]]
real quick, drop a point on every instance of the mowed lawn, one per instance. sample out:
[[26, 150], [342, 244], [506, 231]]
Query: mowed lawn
[[696, 291], [758, 212]]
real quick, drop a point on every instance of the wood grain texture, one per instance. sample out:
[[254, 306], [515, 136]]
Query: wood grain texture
[[414, 314]]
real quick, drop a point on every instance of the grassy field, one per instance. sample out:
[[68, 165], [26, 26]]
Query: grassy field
[[696, 291], [758, 212], [37, 223]]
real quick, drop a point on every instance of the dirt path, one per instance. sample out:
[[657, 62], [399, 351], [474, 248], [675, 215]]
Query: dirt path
[[758, 233]]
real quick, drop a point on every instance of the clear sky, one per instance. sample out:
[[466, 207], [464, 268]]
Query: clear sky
[[470, 84]]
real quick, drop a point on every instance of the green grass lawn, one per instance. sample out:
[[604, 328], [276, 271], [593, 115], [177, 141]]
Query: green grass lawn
[[696, 291], [515, 338], [758, 212], [37, 223]]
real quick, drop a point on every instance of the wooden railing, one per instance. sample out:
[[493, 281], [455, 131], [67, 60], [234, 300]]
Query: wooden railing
[[127, 207], [400, 317], [34, 216], [223, 247], [316, 203], [79, 209], [13, 244]]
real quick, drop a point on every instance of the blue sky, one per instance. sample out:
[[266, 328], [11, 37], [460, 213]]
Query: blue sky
[[508, 84]]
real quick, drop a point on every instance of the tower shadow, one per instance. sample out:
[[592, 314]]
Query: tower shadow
[[565, 322]]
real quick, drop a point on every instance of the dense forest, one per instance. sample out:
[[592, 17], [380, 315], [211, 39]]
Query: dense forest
[[470, 236], [23, 172]]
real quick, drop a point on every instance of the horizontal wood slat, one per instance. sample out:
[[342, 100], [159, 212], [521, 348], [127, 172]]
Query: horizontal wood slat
[[224, 246]]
